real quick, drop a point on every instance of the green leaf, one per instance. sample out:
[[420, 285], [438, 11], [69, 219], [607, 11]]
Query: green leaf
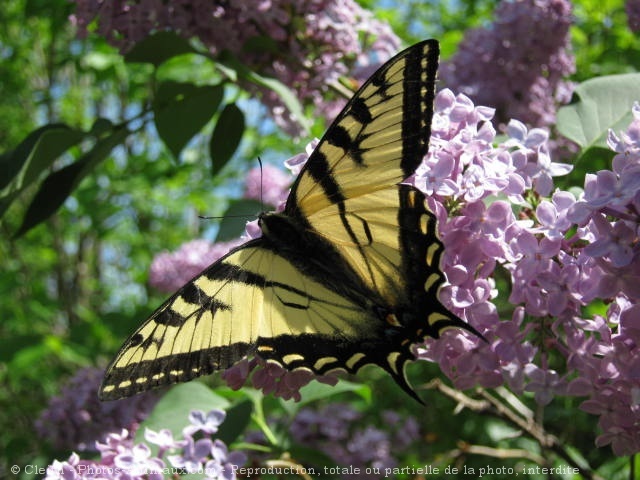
[[226, 136], [101, 60], [57, 187], [172, 411], [236, 421], [158, 48], [317, 390], [182, 109], [35, 154], [319, 459], [236, 217], [101, 126], [599, 104]]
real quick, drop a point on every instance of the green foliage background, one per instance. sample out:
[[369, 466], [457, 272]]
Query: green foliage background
[[73, 282]]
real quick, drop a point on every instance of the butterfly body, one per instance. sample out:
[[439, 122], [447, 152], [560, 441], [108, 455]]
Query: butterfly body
[[347, 275]]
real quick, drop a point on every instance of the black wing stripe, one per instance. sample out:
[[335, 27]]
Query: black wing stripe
[[418, 105]]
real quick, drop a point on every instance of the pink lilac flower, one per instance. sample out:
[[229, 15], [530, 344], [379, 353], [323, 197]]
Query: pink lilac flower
[[295, 163], [553, 274], [163, 439], [552, 216], [627, 146], [193, 456], [204, 422], [532, 158], [518, 63], [272, 378], [138, 461], [436, 178], [611, 189], [223, 463], [63, 470], [545, 383], [615, 241]]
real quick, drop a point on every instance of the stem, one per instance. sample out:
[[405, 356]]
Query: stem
[[465, 448], [519, 415], [258, 417]]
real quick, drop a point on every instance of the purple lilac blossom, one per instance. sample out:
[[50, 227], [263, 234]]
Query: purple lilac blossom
[[76, 419], [305, 45], [204, 422], [556, 269], [272, 378], [121, 459], [518, 63]]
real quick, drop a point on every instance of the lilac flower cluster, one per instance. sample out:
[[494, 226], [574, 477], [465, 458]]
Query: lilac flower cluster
[[518, 63], [561, 253], [76, 419], [121, 459], [337, 431], [305, 45]]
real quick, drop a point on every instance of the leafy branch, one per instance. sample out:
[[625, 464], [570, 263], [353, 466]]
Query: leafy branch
[[511, 410]]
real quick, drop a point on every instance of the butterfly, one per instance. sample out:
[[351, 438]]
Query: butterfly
[[347, 275]]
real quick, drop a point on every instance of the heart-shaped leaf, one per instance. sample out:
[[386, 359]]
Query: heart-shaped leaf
[[182, 109]]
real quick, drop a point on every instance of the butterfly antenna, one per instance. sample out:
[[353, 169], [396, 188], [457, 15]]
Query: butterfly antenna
[[262, 207], [261, 184]]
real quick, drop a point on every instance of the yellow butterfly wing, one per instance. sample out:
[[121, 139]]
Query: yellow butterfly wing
[[348, 191], [221, 316]]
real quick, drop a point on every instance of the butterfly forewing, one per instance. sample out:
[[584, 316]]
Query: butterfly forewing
[[347, 191]]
